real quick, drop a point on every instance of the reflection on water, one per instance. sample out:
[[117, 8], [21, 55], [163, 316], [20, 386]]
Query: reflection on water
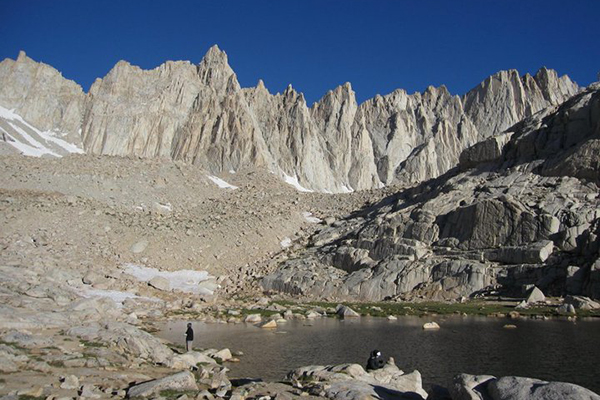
[[555, 350]]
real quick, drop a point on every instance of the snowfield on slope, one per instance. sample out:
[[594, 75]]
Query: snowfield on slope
[[197, 282], [30, 141]]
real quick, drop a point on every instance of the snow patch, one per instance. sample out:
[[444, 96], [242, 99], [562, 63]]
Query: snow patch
[[221, 183], [26, 149], [9, 114], [286, 242], [293, 180], [165, 207], [347, 189], [68, 147], [30, 146], [310, 218], [184, 280]]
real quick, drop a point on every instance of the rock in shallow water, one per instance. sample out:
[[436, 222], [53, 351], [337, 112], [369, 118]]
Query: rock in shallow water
[[346, 312], [253, 318], [268, 324], [431, 325]]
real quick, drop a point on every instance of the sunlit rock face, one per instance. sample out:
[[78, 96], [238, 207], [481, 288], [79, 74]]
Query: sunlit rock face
[[200, 114], [42, 96]]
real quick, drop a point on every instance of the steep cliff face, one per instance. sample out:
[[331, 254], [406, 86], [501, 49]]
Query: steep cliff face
[[42, 96], [419, 136], [505, 98], [524, 210], [200, 114], [137, 112]]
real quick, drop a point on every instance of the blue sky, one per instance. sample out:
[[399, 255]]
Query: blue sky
[[315, 45]]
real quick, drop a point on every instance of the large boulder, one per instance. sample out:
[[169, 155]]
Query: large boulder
[[535, 296], [517, 388], [181, 381], [470, 387], [533, 253], [358, 390], [351, 380], [582, 303], [485, 151], [190, 359], [127, 339], [160, 283], [486, 387], [346, 312]]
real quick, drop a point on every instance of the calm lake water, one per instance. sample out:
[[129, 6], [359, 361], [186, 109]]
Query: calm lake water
[[556, 350]]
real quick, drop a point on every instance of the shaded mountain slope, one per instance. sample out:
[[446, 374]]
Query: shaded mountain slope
[[523, 209]]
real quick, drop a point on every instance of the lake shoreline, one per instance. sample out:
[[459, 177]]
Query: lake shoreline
[[300, 342]]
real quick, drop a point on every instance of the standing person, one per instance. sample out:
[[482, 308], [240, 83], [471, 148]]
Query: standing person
[[189, 337], [375, 361]]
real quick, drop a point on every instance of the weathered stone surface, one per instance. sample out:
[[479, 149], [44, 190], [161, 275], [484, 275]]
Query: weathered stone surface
[[352, 381], [253, 318], [70, 382], [566, 309], [268, 324], [470, 387], [517, 388], [486, 387], [139, 247], [160, 283], [533, 253], [505, 98], [582, 303], [91, 392], [127, 339], [190, 359], [42, 96], [431, 325], [180, 381], [25, 339], [223, 354], [486, 151], [346, 312], [535, 296]]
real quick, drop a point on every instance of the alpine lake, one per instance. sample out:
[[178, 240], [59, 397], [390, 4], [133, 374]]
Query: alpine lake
[[555, 349]]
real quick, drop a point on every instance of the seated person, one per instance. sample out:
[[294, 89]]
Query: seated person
[[375, 361]]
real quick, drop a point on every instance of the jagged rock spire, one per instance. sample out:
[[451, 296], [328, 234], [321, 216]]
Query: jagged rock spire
[[200, 114]]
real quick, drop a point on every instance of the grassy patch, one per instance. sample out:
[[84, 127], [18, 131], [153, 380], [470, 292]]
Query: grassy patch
[[263, 313], [588, 313], [88, 343]]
